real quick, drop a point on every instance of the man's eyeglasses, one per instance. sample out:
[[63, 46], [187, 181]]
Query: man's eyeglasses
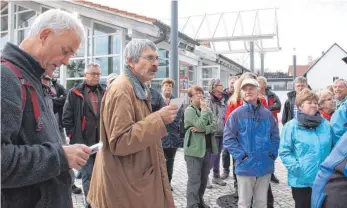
[[94, 74], [151, 58]]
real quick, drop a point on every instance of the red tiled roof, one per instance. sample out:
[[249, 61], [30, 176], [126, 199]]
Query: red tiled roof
[[116, 10], [300, 70]]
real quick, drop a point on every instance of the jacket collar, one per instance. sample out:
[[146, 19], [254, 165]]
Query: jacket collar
[[251, 107], [140, 89], [23, 60], [291, 94]]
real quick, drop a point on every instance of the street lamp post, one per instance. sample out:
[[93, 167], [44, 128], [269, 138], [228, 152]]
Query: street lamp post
[[294, 63], [174, 47]]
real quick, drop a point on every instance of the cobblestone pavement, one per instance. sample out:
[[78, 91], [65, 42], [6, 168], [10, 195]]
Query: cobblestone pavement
[[281, 191]]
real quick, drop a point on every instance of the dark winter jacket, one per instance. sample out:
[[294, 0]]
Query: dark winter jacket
[[273, 102], [157, 101], [59, 100], [34, 169], [218, 108], [173, 140], [288, 111], [226, 94], [81, 123]]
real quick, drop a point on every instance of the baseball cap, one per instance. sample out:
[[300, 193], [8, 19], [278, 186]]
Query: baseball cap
[[249, 82]]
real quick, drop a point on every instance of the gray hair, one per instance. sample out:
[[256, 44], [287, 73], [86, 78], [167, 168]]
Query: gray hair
[[90, 65], [58, 21], [135, 48], [213, 84], [300, 79], [341, 80]]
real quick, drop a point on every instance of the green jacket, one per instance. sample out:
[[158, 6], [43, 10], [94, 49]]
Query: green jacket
[[195, 143]]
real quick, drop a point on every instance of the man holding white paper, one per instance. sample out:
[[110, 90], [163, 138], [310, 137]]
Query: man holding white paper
[[130, 169]]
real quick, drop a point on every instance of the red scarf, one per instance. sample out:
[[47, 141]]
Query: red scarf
[[326, 115]]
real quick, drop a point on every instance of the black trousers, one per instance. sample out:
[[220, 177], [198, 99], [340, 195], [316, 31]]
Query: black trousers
[[302, 197], [226, 165], [170, 154]]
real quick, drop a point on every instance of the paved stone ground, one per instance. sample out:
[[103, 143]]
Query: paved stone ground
[[281, 191]]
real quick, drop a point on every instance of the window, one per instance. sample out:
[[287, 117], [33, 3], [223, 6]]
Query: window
[[105, 45], [22, 34], [192, 76], [3, 39], [75, 68], [4, 11], [19, 9], [4, 23], [108, 65], [26, 19], [163, 72]]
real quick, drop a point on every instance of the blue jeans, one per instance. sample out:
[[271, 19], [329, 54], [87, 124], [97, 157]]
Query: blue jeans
[[86, 173]]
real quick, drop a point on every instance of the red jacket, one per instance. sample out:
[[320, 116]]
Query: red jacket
[[232, 106]]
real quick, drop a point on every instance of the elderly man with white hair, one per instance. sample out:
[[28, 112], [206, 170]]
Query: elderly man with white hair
[[34, 164], [130, 170], [340, 91]]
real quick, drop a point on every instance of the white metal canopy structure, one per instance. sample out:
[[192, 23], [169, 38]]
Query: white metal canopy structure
[[232, 32]]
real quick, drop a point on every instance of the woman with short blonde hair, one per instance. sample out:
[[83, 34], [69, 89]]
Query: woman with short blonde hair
[[326, 103], [305, 143]]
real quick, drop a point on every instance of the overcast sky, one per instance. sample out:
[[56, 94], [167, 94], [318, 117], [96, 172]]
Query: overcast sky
[[310, 26]]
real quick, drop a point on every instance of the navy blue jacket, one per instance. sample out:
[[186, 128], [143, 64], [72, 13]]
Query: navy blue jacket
[[252, 137]]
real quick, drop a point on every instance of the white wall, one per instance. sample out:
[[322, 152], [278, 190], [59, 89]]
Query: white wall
[[331, 65]]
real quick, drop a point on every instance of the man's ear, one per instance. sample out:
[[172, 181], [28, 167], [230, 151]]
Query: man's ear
[[45, 33], [131, 62]]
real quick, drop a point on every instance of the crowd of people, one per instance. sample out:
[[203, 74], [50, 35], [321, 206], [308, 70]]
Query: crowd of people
[[46, 132]]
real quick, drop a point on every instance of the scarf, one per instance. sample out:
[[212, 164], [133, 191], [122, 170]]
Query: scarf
[[307, 121], [139, 88], [339, 102], [326, 115]]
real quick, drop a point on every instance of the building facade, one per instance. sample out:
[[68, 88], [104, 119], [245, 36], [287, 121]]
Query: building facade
[[108, 30]]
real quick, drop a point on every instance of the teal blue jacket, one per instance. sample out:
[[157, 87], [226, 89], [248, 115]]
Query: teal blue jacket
[[303, 150]]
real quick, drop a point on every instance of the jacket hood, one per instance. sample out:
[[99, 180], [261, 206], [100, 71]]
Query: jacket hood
[[269, 93]]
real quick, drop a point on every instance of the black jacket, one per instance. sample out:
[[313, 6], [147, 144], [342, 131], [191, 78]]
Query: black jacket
[[34, 169], [59, 100], [288, 111], [157, 101], [78, 106]]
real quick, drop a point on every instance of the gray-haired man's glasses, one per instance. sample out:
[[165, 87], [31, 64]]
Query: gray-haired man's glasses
[[151, 59]]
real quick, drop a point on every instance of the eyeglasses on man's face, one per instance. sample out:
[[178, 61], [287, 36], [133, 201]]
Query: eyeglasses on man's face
[[94, 74], [151, 58]]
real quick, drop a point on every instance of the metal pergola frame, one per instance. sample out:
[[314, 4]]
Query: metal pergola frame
[[251, 42]]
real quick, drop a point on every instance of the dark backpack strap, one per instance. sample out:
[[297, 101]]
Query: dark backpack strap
[[34, 96]]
